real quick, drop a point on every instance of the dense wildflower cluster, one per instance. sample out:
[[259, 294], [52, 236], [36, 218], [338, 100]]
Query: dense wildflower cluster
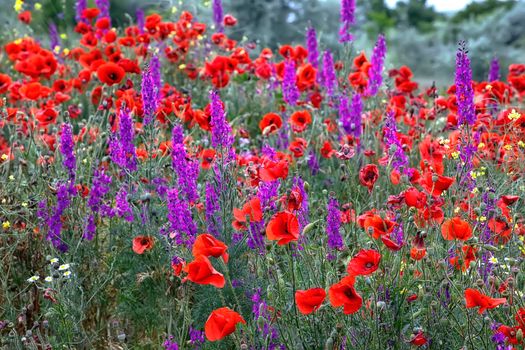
[[168, 186]]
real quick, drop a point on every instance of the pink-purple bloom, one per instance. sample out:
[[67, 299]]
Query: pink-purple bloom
[[311, 45], [494, 73], [289, 85], [376, 69], [333, 226], [221, 132], [122, 147], [329, 76], [218, 14], [464, 90], [67, 146], [347, 20], [187, 170]]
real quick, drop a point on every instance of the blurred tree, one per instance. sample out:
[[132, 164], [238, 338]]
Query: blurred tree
[[478, 9], [380, 17], [417, 14]]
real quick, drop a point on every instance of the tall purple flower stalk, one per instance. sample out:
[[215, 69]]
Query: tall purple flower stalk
[[356, 109], [464, 90], [140, 20], [263, 320], [54, 39], [213, 218], [54, 234], [187, 170], [180, 218], [313, 162], [376, 70], [393, 146], [67, 146], [347, 20], [333, 226], [150, 89], [99, 188], [329, 76], [103, 6], [218, 15], [221, 132], [311, 45], [494, 74], [122, 147], [122, 207], [80, 6], [289, 85]]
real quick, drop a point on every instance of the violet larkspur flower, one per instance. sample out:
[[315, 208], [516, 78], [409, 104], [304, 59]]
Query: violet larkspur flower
[[213, 219], [351, 117], [54, 224], [218, 14], [313, 162], [99, 188], [187, 170], [464, 90], [289, 85], [103, 6], [221, 132], [80, 6], [67, 146], [393, 145], [376, 69], [329, 76], [494, 74], [170, 344], [311, 45], [180, 218], [347, 20], [150, 89], [140, 20], [303, 213], [123, 209], [54, 39], [333, 225], [122, 148]]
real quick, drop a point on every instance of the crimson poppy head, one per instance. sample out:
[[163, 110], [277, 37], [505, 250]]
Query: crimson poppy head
[[300, 120], [368, 176], [110, 73], [364, 263], [283, 228], [270, 123], [309, 300], [221, 323], [143, 244]]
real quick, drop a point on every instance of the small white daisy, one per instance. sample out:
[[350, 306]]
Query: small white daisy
[[63, 267], [33, 279]]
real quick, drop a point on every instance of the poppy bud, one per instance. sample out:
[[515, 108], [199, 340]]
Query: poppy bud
[[435, 178], [309, 227], [261, 321], [480, 283], [519, 335], [325, 192], [490, 247], [306, 186]]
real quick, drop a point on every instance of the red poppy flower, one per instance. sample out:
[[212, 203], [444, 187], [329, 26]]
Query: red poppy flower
[[250, 211], [221, 323], [368, 176], [309, 300], [300, 120], [475, 298], [298, 146], [456, 228], [142, 244], [25, 17], [270, 123], [419, 339], [229, 20], [207, 245], [415, 198], [435, 184], [283, 228], [110, 73], [201, 271], [344, 294], [207, 156], [376, 226], [294, 200], [273, 170], [364, 263]]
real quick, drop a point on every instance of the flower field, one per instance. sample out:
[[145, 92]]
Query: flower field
[[167, 187]]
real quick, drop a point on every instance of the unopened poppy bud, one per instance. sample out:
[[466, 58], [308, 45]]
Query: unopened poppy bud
[[308, 227], [487, 320], [306, 186], [480, 283], [381, 305], [519, 336], [435, 178], [510, 282], [121, 337], [505, 293], [261, 322], [368, 281], [324, 192], [490, 248]]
